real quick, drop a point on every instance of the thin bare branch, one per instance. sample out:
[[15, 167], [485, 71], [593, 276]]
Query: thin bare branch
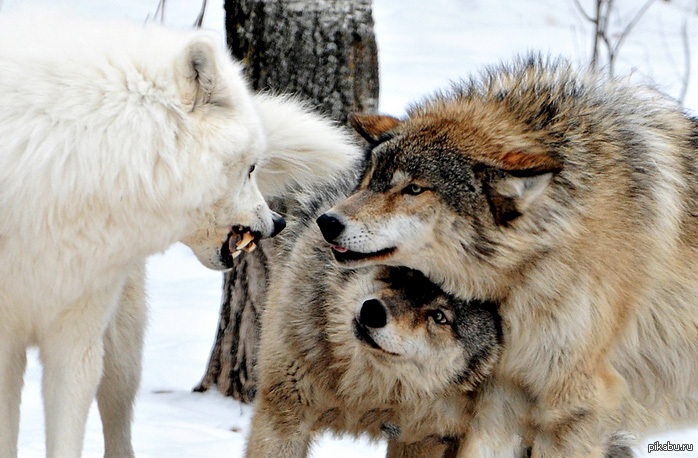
[[632, 24], [610, 52], [598, 32], [160, 10], [200, 18], [686, 62], [584, 13]]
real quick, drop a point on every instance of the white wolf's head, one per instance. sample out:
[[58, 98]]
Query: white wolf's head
[[228, 138], [272, 143]]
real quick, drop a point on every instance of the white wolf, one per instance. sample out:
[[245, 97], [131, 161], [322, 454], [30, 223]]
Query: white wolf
[[116, 141]]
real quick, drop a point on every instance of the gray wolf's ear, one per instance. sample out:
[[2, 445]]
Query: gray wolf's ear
[[516, 182], [201, 77], [372, 127], [509, 197]]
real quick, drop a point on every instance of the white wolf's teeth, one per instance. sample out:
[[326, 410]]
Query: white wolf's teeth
[[250, 247], [236, 254], [246, 239]]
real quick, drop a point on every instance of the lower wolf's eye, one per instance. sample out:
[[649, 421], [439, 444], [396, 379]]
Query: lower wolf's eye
[[439, 317], [413, 189]]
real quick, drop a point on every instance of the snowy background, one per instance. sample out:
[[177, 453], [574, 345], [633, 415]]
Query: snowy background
[[423, 46]]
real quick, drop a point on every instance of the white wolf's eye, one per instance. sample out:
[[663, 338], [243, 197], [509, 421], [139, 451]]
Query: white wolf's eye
[[438, 316], [413, 189], [252, 167]]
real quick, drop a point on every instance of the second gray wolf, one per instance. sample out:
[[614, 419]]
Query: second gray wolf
[[570, 199], [379, 351]]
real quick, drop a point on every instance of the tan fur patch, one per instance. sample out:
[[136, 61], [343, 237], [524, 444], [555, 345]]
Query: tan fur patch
[[371, 127]]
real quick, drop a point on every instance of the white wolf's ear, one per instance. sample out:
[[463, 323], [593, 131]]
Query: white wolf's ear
[[373, 127], [303, 148], [201, 81], [517, 182]]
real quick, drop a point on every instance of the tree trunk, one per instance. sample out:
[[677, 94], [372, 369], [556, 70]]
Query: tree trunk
[[325, 51]]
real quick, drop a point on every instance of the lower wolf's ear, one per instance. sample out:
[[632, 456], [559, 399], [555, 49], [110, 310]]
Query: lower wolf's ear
[[510, 196], [372, 127], [198, 65]]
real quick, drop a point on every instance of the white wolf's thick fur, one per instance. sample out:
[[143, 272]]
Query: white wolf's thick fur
[[115, 141]]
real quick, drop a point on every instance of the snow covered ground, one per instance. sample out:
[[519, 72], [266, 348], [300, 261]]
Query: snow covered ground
[[423, 46]]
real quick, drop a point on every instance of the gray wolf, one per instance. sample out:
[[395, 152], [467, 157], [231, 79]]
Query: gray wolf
[[569, 199], [116, 141], [378, 350]]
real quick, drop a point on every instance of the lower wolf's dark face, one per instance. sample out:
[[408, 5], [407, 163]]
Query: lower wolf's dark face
[[438, 191], [416, 330]]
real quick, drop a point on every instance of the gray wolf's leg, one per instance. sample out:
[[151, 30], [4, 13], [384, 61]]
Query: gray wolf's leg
[[268, 439]]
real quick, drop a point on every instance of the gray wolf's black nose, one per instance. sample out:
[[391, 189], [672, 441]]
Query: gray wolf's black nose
[[279, 223], [330, 226], [373, 314]]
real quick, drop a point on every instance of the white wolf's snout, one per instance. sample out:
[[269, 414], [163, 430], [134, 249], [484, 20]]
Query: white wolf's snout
[[217, 247], [238, 224], [265, 223]]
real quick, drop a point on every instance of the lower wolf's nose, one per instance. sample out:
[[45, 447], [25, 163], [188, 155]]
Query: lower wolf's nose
[[373, 314], [330, 226]]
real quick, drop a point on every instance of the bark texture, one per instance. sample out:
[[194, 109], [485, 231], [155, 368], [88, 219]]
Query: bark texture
[[325, 52], [231, 366]]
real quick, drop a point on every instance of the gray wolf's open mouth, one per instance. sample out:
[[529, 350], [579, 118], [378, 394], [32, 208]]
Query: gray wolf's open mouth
[[344, 255]]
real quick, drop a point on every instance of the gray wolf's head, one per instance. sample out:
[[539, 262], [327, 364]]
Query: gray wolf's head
[[462, 183], [408, 332]]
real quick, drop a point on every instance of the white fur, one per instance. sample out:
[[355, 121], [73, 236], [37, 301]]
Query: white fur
[[302, 148], [116, 140]]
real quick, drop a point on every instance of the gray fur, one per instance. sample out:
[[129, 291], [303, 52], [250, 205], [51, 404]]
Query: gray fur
[[315, 373], [570, 199]]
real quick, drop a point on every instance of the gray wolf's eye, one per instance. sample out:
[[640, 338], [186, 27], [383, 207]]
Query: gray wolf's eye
[[413, 189], [438, 316]]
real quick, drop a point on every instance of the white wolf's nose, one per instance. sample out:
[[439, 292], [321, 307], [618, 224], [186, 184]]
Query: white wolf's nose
[[279, 223]]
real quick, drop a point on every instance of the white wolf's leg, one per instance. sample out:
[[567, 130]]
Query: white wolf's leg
[[72, 354], [123, 348], [13, 361]]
